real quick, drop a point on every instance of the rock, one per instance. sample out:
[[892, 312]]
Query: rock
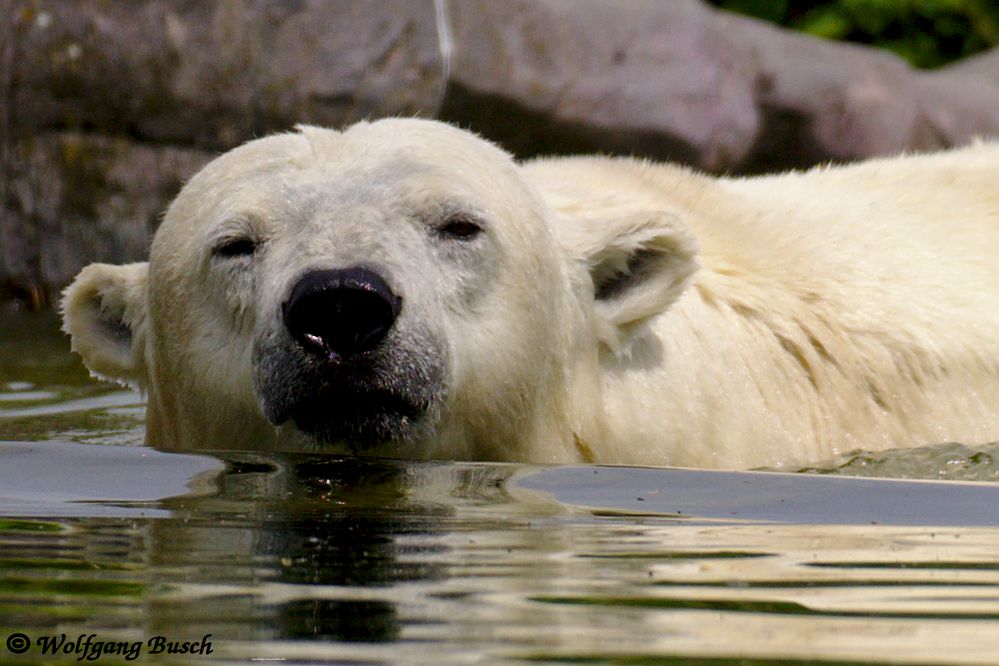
[[682, 81], [982, 67], [642, 77], [215, 73], [105, 107], [69, 199], [824, 101], [961, 102], [676, 80]]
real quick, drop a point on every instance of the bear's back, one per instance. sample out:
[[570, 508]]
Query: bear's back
[[839, 307]]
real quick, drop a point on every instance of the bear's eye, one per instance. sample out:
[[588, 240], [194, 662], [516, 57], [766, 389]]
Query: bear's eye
[[234, 247], [461, 227]]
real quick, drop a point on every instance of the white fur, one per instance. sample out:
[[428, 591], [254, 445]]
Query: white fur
[[768, 321]]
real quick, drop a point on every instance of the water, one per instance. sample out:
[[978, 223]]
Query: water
[[310, 559]]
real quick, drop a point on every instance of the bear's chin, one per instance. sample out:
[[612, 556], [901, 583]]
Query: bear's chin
[[390, 395], [359, 420]]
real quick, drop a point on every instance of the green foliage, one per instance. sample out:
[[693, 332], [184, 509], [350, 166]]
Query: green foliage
[[927, 33]]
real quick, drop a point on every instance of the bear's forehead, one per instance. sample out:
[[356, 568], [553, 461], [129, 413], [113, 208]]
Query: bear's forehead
[[383, 163], [391, 186]]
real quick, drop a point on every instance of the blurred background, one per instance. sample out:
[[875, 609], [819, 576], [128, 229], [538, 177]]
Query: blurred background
[[107, 107], [927, 33]]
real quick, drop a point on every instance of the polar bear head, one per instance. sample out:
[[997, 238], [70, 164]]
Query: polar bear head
[[398, 288]]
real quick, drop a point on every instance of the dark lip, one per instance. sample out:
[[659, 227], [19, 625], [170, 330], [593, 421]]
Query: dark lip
[[344, 406], [357, 420]]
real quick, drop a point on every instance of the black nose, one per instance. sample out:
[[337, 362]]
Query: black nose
[[339, 313]]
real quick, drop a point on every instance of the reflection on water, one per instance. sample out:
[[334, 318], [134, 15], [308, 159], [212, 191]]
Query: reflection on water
[[46, 393], [321, 559], [348, 561]]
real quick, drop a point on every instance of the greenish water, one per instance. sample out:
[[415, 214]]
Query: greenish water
[[317, 559]]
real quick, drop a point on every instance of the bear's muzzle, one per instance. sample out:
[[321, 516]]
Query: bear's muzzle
[[344, 366]]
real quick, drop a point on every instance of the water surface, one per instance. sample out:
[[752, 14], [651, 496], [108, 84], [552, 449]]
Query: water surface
[[328, 559]]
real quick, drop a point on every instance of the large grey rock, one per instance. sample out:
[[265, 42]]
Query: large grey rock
[[667, 79], [72, 198], [215, 73], [642, 77], [683, 81], [982, 67], [830, 101], [962, 101], [105, 107]]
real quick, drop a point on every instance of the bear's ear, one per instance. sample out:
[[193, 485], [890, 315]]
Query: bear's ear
[[639, 264], [104, 312]]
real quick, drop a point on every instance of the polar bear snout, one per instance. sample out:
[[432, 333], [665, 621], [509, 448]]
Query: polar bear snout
[[338, 313], [345, 365]]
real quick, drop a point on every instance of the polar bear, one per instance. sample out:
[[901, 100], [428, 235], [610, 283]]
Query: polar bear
[[404, 288]]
